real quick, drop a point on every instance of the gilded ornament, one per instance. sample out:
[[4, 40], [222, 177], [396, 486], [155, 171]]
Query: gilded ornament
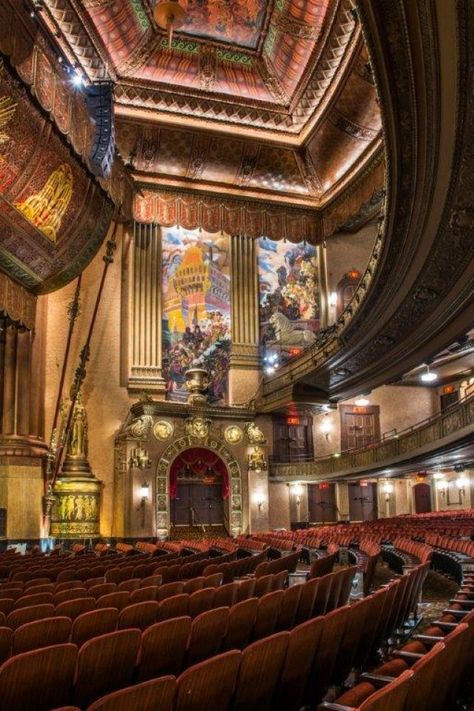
[[233, 434], [163, 430], [255, 434], [197, 427]]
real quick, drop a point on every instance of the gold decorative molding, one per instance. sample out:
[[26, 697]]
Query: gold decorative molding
[[17, 302]]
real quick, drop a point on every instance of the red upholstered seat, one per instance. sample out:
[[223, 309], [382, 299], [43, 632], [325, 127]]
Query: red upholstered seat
[[208, 631], [68, 585], [28, 614], [225, 595], [140, 615], [106, 663], [163, 649], [170, 590], [209, 685], [201, 601], [72, 594], [191, 586], [145, 594], [289, 607], [41, 633], [260, 669], [176, 606], [39, 680], [392, 697], [5, 643], [98, 591], [213, 580], [74, 608], [94, 623], [129, 585], [246, 589], [302, 645], [153, 695], [242, 618], [6, 604], [263, 585], [307, 600], [115, 599], [268, 612], [323, 591], [326, 657]]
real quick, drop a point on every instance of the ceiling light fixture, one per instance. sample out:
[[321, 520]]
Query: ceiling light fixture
[[362, 401], [429, 376], [170, 16]]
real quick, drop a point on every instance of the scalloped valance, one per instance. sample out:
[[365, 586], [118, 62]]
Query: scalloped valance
[[17, 302]]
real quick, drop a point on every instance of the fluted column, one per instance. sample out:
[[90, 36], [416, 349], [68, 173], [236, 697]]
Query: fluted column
[[244, 361], [145, 306]]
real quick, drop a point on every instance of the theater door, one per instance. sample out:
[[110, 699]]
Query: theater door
[[197, 504]]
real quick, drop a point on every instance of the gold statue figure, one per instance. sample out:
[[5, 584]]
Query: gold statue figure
[[78, 440], [46, 208]]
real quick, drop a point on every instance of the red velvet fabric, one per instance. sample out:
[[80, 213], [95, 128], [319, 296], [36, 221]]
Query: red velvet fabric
[[198, 459]]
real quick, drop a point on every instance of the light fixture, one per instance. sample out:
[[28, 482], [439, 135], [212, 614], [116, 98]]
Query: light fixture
[[388, 488], [144, 491], [77, 78], [333, 298], [442, 486], [297, 490], [461, 483], [362, 401], [438, 475], [170, 16], [428, 376], [326, 426]]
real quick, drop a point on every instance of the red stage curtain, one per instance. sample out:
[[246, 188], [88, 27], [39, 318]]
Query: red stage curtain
[[198, 460]]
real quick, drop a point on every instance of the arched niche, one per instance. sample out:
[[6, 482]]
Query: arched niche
[[233, 502]]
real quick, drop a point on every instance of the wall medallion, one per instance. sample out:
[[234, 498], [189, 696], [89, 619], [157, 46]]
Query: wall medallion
[[255, 434], [163, 430], [233, 434], [197, 427]]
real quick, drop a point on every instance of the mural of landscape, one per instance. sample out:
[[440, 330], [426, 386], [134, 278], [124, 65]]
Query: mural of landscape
[[196, 309], [288, 285]]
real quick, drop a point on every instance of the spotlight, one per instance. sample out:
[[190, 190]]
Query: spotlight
[[429, 376], [77, 79]]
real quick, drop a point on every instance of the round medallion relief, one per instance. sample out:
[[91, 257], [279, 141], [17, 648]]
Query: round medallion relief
[[163, 430], [233, 434]]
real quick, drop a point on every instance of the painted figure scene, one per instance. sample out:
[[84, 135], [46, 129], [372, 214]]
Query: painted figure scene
[[229, 21], [289, 298], [196, 310]]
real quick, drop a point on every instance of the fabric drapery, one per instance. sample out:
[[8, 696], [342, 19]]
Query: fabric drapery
[[198, 460]]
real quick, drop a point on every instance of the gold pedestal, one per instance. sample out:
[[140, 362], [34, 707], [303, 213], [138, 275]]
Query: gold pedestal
[[76, 512]]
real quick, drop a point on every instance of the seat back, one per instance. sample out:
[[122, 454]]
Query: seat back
[[41, 633], [106, 663], [38, 680], [201, 601], [164, 647], [208, 631], [392, 697], [74, 608], [307, 601], [176, 606], [16, 618], [209, 684], [147, 696], [94, 623], [242, 618], [260, 669], [268, 612], [118, 599], [302, 645]]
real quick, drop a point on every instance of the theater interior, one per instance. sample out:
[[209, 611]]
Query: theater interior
[[236, 355]]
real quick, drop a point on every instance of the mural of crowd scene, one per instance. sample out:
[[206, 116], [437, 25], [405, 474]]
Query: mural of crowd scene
[[196, 309], [289, 296]]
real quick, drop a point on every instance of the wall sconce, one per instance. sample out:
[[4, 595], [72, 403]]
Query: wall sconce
[[259, 499], [462, 483], [333, 298], [442, 486], [139, 458], [388, 490], [326, 426], [297, 491], [144, 491]]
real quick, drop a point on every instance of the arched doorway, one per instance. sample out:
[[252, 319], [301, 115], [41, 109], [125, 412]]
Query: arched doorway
[[422, 498], [233, 511], [199, 486]]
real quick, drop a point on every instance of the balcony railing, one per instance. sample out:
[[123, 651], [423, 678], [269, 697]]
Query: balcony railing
[[392, 444]]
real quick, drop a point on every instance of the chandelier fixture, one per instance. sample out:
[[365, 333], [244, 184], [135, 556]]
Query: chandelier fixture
[[170, 16]]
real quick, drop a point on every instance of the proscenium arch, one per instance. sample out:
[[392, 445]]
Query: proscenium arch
[[234, 506]]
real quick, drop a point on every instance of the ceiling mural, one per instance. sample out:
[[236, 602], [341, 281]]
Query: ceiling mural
[[53, 214], [238, 23]]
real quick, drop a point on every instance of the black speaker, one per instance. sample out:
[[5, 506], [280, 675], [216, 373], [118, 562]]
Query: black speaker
[[100, 103]]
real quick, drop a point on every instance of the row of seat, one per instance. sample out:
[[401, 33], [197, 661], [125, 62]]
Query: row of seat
[[281, 672], [427, 674]]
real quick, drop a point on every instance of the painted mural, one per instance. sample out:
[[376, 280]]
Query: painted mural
[[196, 309], [231, 21], [289, 294]]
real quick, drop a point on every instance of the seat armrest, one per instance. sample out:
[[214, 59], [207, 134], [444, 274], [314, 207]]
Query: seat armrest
[[455, 613], [409, 656], [376, 679], [448, 626], [428, 638], [468, 603], [327, 706]]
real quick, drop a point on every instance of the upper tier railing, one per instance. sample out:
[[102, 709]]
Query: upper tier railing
[[391, 445]]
